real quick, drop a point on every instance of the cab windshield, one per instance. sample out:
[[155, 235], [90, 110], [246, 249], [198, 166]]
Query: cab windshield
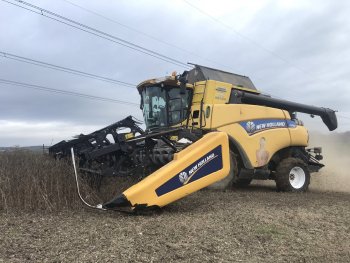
[[164, 106]]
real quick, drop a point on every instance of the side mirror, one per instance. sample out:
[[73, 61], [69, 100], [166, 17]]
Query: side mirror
[[182, 88], [141, 103], [183, 81]]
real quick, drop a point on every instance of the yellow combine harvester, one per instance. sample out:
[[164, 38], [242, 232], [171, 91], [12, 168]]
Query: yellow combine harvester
[[202, 126]]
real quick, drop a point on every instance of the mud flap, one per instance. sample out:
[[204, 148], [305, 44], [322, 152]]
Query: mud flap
[[197, 166]]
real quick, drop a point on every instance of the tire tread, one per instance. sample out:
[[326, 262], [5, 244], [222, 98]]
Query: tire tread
[[282, 175]]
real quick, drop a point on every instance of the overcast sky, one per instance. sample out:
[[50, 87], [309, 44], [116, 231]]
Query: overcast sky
[[297, 50]]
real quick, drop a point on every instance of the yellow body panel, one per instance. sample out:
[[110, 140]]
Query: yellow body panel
[[226, 114], [217, 92], [299, 136], [214, 92], [269, 141], [261, 146], [198, 92], [194, 160]]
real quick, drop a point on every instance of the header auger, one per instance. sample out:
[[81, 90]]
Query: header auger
[[202, 126]]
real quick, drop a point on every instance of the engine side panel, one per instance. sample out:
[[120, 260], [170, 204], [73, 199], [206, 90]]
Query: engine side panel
[[260, 131]]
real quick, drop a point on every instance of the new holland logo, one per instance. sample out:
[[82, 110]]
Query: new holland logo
[[206, 165], [255, 126], [250, 127], [183, 177]]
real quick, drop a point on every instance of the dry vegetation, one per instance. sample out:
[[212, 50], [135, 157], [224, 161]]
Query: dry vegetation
[[34, 182]]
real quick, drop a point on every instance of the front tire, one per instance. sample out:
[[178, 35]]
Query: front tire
[[292, 175], [226, 183]]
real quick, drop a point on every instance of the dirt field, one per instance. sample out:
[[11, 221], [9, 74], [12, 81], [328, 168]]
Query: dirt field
[[254, 225]]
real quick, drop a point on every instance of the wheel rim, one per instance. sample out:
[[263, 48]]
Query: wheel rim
[[297, 177]]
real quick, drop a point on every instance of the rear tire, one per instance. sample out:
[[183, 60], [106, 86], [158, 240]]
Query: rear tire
[[292, 175]]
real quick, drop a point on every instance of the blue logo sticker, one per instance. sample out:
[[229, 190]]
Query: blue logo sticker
[[207, 164], [291, 124], [255, 126]]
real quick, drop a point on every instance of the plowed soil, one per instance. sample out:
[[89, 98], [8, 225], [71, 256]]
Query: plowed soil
[[256, 224]]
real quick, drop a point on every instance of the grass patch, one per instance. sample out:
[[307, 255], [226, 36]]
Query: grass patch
[[270, 230]]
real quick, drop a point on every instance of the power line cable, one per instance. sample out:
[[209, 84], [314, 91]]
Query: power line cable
[[96, 32], [256, 43], [65, 92], [147, 35], [126, 26], [190, 52], [238, 33], [43, 11], [63, 69]]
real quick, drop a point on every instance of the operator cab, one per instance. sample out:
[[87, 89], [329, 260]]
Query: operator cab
[[164, 103]]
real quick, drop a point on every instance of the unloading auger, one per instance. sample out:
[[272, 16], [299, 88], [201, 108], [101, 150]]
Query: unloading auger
[[202, 126]]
